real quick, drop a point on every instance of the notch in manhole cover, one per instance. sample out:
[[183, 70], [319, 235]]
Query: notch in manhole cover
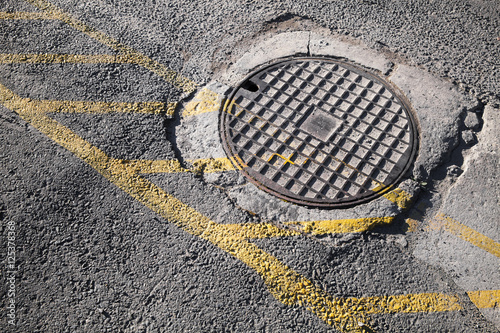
[[319, 132]]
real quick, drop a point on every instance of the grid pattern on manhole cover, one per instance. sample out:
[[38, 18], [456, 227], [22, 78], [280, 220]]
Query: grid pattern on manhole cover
[[318, 132]]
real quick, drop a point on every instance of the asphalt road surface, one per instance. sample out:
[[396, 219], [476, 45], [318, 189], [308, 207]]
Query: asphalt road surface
[[121, 212]]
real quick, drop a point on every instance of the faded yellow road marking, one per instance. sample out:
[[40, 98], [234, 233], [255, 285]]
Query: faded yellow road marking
[[173, 166], [266, 230], [208, 165], [285, 284], [259, 230], [415, 217], [151, 166], [7, 58], [342, 226], [485, 299], [464, 232], [412, 225], [138, 58], [27, 16], [400, 197], [102, 107], [411, 303], [204, 101]]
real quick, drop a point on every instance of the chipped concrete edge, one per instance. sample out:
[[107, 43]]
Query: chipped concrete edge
[[303, 43]]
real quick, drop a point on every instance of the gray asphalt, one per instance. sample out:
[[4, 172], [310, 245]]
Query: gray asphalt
[[90, 258]]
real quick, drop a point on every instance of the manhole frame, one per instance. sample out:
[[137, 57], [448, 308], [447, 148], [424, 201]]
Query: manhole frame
[[412, 120]]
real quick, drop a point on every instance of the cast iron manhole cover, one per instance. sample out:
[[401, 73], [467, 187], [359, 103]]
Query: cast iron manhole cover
[[319, 132]]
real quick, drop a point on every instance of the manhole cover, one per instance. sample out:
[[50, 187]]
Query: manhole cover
[[319, 132]]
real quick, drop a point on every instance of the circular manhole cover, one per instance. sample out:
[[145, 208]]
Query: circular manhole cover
[[318, 132]]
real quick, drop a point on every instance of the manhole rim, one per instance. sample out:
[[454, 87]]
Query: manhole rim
[[321, 203]]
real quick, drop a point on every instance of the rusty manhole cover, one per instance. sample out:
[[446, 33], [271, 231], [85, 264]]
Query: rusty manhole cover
[[319, 132]]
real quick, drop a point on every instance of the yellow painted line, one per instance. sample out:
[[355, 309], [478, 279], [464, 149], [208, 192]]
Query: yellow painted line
[[485, 299], [467, 234], [415, 217], [210, 165], [410, 303], [341, 226], [412, 225], [101, 107], [264, 230], [152, 166], [27, 16], [287, 160], [138, 58], [205, 101], [8, 58], [259, 230], [401, 198]]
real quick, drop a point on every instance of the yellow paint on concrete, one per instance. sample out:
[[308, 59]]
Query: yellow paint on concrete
[[170, 109], [27, 16], [412, 225], [401, 198], [485, 299], [415, 217], [259, 230], [264, 230], [154, 166], [207, 165], [205, 101], [138, 58], [210, 165], [100, 107], [441, 221], [341, 226]]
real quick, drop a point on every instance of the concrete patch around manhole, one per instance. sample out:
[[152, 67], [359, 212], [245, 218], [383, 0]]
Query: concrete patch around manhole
[[463, 237], [436, 103], [302, 43], [324, 46], [439, 106], [197, 136]]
